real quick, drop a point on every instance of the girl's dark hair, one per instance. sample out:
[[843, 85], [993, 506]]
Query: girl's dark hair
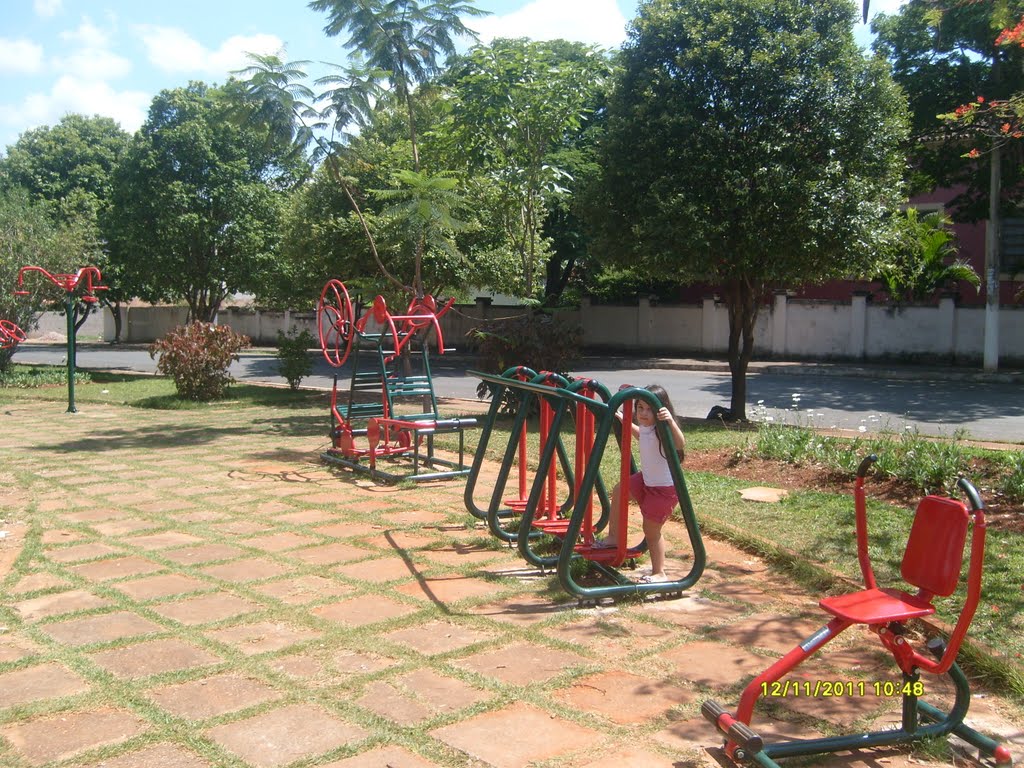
[[659, 392]]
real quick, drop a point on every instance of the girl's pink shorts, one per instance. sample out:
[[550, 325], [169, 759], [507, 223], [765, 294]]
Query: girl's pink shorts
[[656, 501]]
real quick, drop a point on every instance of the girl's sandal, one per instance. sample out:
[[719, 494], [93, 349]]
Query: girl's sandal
[[654, 578]]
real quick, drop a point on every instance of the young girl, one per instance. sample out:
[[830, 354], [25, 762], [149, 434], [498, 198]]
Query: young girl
[[653, 486]]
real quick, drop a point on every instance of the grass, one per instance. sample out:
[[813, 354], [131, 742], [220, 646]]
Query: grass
[[140, 391]]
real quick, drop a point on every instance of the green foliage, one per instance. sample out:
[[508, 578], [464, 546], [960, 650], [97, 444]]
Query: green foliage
[[930, 466], [293, 360], [943, 54], [1012, 485], [749, 145], [922, 258], [535, 340], [198, 199], [31, 237], [197, 357], [517, 107], [30, 377]]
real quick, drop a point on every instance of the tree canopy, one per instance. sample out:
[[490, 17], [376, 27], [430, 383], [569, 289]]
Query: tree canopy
[[199, 198], [750, 146]]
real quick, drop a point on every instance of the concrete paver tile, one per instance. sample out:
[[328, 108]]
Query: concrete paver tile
[[60, 737], [159, 756], [212, 696], [328, 554], [241, 571], [285, 735], [624, 697], [629, 757], [521, 663], [521, 609], [351, 662], [55, 604], [714, 665], [44, 681], [299, 590], [611, 635], [122, 527], [100, 629], [418, 696], [162, 540], [445, 590], [206, 609], [280, 541], [379, 570], [516, 736], [35, 582], [15, 648], [163, 585], [363, 610], [153, 658], [77, 552], [204, 553], [393, 757], [262, 636], [438, 637], [771, 631], [116, 568]]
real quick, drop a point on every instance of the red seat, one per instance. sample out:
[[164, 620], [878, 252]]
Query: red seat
[[877, 606]]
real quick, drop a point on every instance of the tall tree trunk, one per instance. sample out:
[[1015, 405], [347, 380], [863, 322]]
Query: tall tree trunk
[[742, 300]]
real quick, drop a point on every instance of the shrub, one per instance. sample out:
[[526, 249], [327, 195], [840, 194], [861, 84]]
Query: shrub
[[197, 357], [293, 360], [535, 340]]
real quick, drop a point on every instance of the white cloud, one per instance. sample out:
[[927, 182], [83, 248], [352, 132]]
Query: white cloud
[[94, 64], [20, 56], [174, 50], [73, 94], [590, 21], [47, 8], [87, 35]]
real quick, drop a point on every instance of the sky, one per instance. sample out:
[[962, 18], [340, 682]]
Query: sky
[[111, 57]]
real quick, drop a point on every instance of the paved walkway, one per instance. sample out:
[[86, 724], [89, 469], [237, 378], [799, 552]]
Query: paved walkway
[[195, 590]]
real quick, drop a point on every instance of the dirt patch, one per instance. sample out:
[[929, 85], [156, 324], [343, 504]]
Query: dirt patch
[[1001, 514]]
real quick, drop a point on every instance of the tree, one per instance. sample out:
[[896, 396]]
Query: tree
[[750, 146], [922, 259], [518, 110], [198, 199], [69, 167], [30, 237], [400, 45], [944, 53]]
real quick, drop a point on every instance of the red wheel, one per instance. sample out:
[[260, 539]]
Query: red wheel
[[10, 335], [421, 312], [335, 322]]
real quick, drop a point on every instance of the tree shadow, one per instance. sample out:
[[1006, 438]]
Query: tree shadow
[[165, 438]]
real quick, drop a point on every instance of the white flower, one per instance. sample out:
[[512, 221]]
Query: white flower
[[862, 428]]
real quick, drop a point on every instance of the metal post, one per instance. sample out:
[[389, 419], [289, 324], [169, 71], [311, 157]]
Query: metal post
[[69, 308], [992, 268]]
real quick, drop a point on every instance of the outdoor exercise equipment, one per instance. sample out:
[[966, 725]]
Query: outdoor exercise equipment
[[517, 456], [932, 563], [390, 364], [593, 412], [10, 335], [88, 280]]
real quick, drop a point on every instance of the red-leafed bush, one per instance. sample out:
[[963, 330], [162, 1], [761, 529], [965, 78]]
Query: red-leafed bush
[[197, 357]]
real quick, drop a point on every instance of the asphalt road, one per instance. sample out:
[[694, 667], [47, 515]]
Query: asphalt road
[[936, 402]]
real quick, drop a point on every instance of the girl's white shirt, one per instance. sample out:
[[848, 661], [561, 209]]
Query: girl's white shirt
[[653, 465]]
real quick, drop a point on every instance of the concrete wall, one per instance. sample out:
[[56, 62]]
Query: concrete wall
[[789, 328]]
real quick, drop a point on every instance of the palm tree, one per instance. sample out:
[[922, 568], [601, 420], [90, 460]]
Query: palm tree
[[924, 260]]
